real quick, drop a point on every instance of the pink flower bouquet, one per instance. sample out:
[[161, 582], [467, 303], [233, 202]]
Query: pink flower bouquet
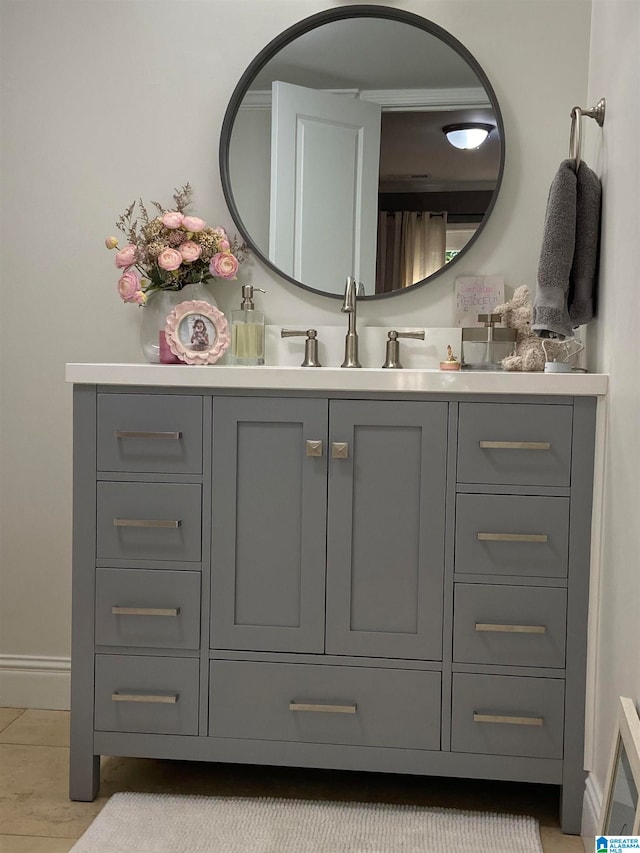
[[171, 250]]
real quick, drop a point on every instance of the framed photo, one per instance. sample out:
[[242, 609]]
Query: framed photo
[[197, 333], [621, 809]]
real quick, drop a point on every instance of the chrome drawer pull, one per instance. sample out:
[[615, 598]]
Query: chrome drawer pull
[[339, 450], [323, 709], [511, 629], [160, 698], [122, 433], [512, 537], [145, 522], [313, 448], [144, 611], [515, 445], [506, 718]]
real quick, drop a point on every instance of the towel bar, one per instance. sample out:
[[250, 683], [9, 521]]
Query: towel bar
[[575, 142]]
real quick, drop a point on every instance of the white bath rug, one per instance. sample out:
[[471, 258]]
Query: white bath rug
[[168, 823]]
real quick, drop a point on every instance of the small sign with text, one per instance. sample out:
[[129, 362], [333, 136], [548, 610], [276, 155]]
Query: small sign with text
[[477, 294]]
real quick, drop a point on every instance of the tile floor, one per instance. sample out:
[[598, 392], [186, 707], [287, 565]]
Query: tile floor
[[36, 815]]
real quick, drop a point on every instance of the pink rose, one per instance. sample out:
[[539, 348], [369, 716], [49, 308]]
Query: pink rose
[[169, 259], [172, 219], [224, 246], [111, 242], [126, 257], [223, 265], [129, 285], [220, 232], [139, 298], [193, 223], [190, 251]]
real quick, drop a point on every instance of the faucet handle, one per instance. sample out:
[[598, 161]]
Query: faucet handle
[[417, 333], [310, 345], [296, 333], [393, 347]]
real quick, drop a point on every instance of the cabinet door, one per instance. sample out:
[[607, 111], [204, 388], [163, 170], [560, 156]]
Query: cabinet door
[[385, 547], [269, 524]]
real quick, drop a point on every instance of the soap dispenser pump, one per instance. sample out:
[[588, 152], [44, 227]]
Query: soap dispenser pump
[[247, 330]]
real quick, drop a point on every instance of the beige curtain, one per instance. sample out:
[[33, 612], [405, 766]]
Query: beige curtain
[[411, 246]]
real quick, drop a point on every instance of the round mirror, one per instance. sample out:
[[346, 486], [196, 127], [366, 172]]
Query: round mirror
[[366, 142]]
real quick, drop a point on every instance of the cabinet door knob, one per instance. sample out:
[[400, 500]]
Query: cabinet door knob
[[313, 448], [339, 450]]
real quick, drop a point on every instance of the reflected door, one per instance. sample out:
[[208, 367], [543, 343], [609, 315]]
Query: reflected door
[[325, 151]]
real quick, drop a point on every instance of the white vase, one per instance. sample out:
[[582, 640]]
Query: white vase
[[154, 314]]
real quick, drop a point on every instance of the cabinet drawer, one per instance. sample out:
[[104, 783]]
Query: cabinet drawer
[[146, 694], [361, 706], [514, 625], [149, 433], [146, 608], [507, 715], [149, 521], [512, 535], [514, 443]]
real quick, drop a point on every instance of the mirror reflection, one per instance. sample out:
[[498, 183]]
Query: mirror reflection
[[334, 160]]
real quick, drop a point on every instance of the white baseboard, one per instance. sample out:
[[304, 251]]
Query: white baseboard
[[30, 682], [591, 807]]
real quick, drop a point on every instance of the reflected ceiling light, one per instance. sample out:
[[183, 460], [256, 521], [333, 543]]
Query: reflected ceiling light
[[466, 136]]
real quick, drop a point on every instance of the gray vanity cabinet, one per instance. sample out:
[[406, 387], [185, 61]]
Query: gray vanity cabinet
[[393, 583]]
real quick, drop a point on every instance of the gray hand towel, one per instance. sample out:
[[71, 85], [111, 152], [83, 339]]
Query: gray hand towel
[[567, 267], [582, 281]]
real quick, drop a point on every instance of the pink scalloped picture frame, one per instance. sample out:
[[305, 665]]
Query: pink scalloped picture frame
[[197, 333]]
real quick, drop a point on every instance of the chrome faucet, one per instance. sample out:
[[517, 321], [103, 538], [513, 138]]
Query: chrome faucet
[[351, 292]]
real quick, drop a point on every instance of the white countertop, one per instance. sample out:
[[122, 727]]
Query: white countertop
[[338, 379]]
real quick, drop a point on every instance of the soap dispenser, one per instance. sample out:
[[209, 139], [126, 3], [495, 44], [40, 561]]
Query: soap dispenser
[[247, 331], [484, 347]]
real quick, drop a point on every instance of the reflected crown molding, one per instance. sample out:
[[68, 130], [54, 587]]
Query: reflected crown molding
[[401, 100], [423, 100]]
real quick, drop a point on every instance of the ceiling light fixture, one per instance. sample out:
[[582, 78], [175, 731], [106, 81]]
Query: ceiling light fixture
[[467, 136]]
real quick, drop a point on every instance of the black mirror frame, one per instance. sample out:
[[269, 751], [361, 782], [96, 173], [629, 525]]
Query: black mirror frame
[[294, 32]]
